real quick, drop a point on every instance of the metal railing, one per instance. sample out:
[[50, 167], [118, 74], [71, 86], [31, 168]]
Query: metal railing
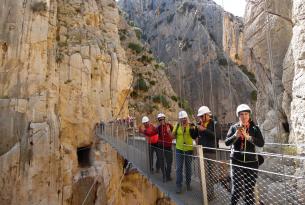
[[280, 180]]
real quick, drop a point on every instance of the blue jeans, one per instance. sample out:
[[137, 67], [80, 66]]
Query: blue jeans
[[183, 157]]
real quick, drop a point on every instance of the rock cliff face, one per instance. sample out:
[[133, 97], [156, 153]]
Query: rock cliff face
[[202, 48], [297, 116], [273, 45], [151, 90], [267, 35], [62, 69], [274, 51]]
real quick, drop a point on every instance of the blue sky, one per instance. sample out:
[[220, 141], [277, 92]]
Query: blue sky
[[236, 7]]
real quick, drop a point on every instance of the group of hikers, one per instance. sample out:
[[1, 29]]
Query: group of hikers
[[242, 136]]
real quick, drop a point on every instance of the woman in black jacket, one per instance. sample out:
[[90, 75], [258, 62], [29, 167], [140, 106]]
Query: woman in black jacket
[[244, 136], [206, 136]]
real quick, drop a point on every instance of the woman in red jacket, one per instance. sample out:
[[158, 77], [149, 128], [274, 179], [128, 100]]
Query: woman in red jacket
[[165, 154], [151, 134]]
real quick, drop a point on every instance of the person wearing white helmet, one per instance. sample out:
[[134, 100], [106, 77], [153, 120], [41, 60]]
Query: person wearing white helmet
[[165, 153], [206, 136], [151, 134], [183, 133], [243, 137]]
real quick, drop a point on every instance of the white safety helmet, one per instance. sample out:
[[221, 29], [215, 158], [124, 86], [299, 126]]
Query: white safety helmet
[[242, 108], [145, 119], [160, 115], [182, 114], [203, 110]]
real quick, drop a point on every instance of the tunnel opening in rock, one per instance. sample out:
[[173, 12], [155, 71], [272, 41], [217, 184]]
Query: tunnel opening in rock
[[286, 127], [83, 156]]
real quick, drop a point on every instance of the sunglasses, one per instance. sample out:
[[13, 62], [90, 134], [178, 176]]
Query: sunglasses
[[160, 119]]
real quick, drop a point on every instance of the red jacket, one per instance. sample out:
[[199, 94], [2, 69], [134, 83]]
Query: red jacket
[[151, 134], [165, 138]]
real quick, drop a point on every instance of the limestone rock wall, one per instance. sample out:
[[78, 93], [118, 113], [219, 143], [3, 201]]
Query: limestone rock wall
[[233, 37], [298, 86], [267, 35], [201, 46], [62, 69]]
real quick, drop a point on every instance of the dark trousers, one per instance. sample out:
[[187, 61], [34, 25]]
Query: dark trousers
[[244, 181], [183, 157], [165, 156], [153, 148]]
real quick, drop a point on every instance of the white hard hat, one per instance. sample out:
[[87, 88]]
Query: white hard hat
[[203, 110], [145, 119], [182, 114], [160, 115], [241, 108]]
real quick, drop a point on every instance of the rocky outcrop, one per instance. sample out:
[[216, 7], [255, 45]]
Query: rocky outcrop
[[274, 47], [297, 116], [152, 92], [267, 35], [233, 36], [62, 69], [201, 48]]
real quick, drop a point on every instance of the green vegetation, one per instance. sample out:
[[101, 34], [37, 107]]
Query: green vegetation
[[123, 34], [160, 65], [138, 32], [59, 57], [134, 94], [236, 56], [152, 82], [62, 44], [186, 45], [135, 47], [290, 150], [111, 5], [187, 6], [250, 75], [184, 104], [141, 85], [149, 108], [39, 6], [223, 62], [148, 73], [67, 81], [4, 97], [131, 23], [161, 99], [146, 59], [174, 98]]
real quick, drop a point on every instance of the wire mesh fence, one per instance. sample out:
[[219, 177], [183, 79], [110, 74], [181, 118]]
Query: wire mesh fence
[[208, 176]]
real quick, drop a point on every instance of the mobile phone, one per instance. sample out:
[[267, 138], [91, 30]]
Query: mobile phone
[[239, 127]]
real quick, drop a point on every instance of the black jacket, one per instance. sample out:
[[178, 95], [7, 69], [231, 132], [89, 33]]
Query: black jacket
[[208, 137], [249, 146]]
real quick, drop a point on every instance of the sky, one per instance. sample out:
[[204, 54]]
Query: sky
[[236, 7]]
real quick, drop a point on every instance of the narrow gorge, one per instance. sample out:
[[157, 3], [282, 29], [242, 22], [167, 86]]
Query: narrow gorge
[[67, 65]]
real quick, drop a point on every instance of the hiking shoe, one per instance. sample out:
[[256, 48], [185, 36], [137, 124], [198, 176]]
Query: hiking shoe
[[188, 187], [178, 189]]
